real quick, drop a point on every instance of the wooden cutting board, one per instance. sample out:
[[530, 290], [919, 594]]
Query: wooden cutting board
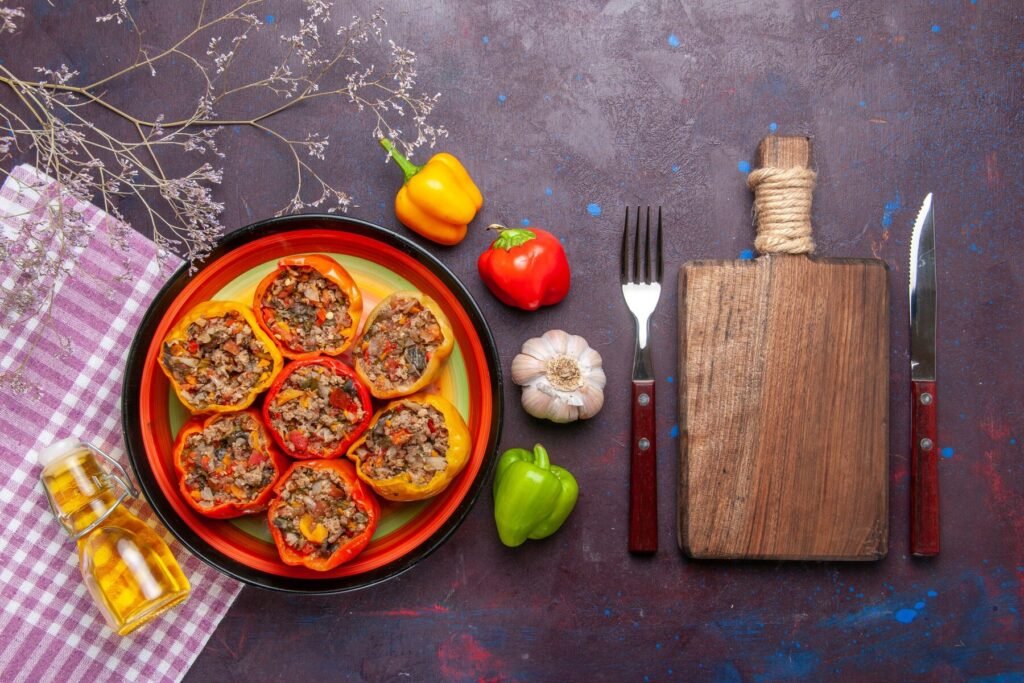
[[783, 400]]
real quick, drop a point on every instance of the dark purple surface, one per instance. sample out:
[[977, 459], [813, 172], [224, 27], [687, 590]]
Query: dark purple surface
[[565, 112]]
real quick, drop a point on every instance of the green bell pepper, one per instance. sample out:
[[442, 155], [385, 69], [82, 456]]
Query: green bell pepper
[[532, 497]]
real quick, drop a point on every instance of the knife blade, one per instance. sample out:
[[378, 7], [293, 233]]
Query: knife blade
[[924, 473]]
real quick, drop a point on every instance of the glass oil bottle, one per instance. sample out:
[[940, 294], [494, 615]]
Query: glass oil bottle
[[128, 569]]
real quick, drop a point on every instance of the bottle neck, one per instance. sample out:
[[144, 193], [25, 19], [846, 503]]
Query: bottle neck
[[81, 490]]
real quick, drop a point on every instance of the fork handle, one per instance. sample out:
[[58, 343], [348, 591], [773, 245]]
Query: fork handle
[[643, 472]]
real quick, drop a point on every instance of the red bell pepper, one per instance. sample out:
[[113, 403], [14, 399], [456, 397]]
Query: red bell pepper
[[220, 472], [525, 268], [290, 516], [347, 403]]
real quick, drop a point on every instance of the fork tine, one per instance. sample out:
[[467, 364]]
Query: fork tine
[[659, 250], [647, 248], [624, 254], [635, 277]]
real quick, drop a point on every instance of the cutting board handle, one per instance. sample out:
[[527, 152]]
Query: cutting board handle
[[783, 185]]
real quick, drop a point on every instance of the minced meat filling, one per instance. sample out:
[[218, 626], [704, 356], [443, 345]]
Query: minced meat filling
[[316, 513], [305, 311], [218, 362], [398, 345], [409, 438], [315, 409], [224, 463]]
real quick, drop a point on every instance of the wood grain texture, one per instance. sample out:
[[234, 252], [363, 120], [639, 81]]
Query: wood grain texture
[[643, 471], [784, 367], [924, 470]]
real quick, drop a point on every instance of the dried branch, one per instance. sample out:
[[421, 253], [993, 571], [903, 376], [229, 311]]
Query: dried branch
[[52, 122]]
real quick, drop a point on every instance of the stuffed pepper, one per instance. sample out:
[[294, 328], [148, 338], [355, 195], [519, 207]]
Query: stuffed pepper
[[218, 358], [404, 346], [323, 515], [309, 305], [226, 465], [316, 408], [414, 448]]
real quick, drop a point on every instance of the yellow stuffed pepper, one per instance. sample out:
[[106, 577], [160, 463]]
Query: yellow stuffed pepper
[[438, 199], [218, 358], [404, 346], [414, 448]]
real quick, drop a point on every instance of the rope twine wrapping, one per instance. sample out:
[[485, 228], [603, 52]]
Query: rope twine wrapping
[[782, 209]]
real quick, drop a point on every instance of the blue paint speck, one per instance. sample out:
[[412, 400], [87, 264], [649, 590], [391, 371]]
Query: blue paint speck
[[824, 26], [525, 222], [485, 40], [670, 379], [936, 28], [919, 605], [594, 209], [548, 191], [1013, 442], [743, 166], [673, 40], [947, 452], [674, 432], [859, 39], [975, 248], [747, 254], [269, 19], [932, 594], [772, 127], [862, 103], [891, 208], [836, 14], [502, 98], [675, 168], [657, 646], [905, 616], [607, 611]]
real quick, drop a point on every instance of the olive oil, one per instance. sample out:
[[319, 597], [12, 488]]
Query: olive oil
[[128, 569]]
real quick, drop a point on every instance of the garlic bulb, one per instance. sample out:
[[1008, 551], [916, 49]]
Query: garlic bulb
[[561, 376]]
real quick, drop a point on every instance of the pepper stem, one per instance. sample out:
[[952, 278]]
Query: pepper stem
[[408, 168], [510, 237], [541, 459]]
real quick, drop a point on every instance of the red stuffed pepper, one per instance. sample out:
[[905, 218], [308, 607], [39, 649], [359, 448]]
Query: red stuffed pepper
[[309, 305], [227, 465], [317, 408], [323, 515]]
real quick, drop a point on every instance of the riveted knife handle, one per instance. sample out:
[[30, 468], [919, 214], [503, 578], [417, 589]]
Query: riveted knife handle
[[924, 472], [643, 480]]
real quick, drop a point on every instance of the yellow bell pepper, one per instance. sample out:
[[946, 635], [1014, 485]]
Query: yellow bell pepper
[[401, 487], [435, 361], [190, 389], [439, 199]]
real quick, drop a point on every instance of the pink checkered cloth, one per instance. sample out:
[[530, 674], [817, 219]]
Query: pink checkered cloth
[[51, 629]]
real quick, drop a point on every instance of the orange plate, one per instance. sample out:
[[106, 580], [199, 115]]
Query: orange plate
[[380, 261]]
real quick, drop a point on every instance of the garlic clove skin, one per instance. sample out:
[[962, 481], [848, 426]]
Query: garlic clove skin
[[593, 400], [559, 341], [561, 376], [527, 368]]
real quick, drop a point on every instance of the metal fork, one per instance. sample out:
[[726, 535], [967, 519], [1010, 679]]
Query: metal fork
[[641, 289]]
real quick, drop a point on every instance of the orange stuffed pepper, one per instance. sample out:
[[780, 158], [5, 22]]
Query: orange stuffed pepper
[[309, 305]]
